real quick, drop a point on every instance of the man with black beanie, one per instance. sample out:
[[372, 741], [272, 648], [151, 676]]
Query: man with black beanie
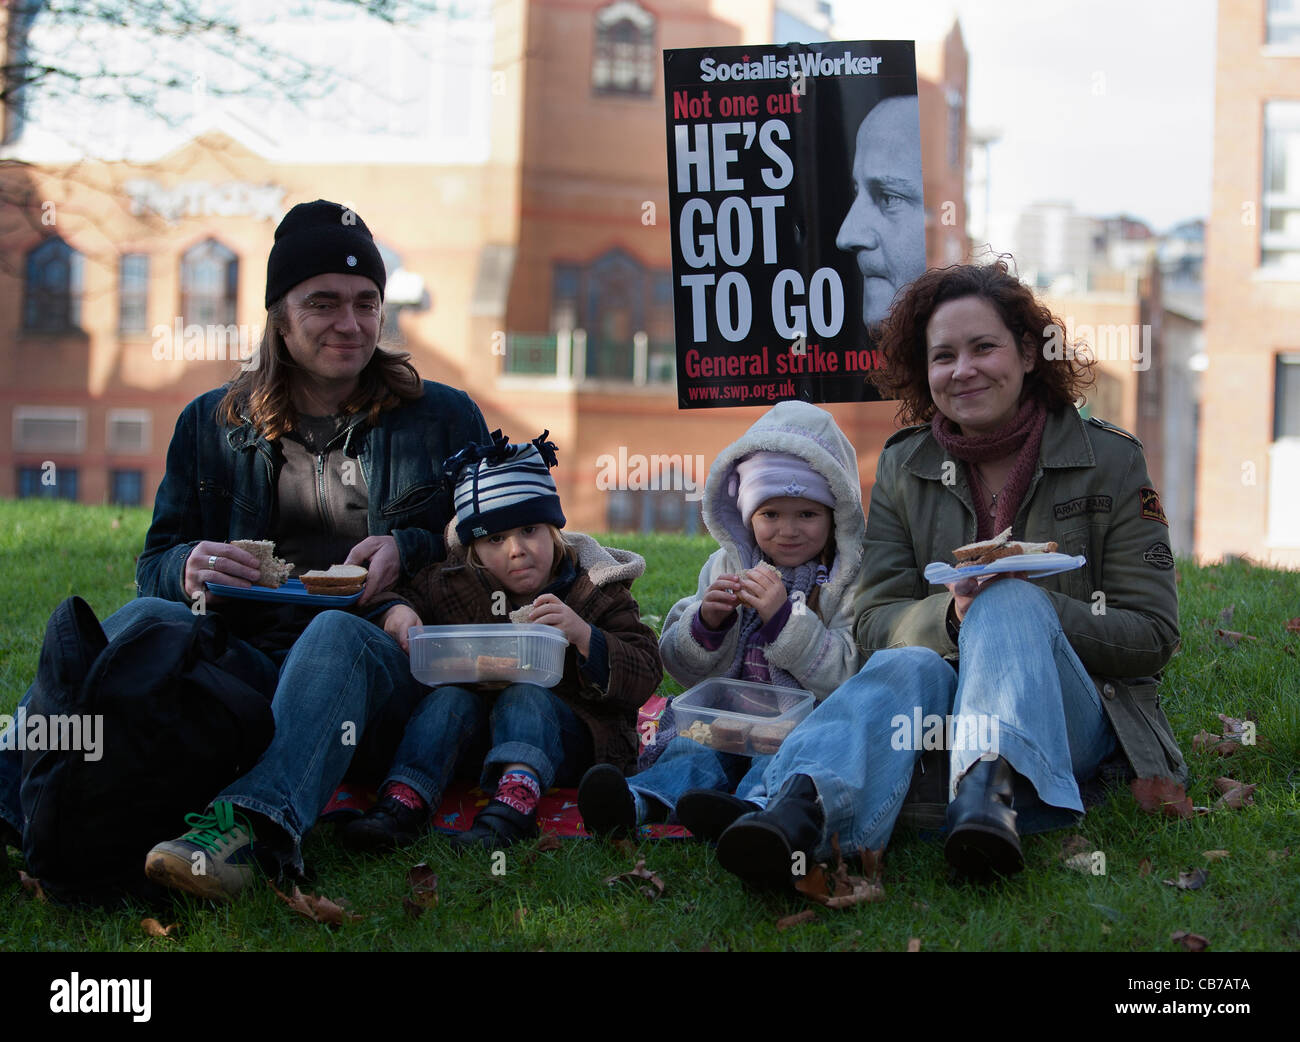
[[331, 447]]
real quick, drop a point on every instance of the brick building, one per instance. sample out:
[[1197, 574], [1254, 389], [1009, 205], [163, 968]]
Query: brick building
[[509, 196]]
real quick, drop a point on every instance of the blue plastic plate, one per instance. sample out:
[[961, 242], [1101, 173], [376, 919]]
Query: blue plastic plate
[[292, 592]]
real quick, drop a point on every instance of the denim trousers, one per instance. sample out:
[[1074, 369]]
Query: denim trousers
[[1020, 684], [345, 690], [686, 764], [523, 723]]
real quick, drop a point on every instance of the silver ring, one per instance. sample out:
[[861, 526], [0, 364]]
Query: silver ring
[[212, 562]]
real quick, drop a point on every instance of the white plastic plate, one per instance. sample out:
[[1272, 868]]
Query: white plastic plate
[[1034, 565]]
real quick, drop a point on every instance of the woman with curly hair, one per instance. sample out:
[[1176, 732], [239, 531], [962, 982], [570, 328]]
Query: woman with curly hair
[[1027, 686]]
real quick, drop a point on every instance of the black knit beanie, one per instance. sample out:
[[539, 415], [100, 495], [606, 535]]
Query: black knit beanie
[[321, 238]]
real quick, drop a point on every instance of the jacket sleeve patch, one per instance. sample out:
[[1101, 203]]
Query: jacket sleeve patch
[[1151, 509], [1158, 555], [1082, 505]]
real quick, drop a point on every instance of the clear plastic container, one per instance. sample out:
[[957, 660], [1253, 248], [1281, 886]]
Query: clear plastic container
[[506, 653], [739, 716]]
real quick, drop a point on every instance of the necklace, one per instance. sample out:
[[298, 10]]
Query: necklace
[[993, 496]]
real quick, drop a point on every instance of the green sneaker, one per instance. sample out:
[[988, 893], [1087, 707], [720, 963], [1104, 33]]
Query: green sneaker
[[213, 860]]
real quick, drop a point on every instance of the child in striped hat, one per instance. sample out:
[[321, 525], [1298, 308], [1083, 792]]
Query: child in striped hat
[[508, 561]]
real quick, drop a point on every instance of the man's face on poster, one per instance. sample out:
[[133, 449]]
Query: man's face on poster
[[885, 226]]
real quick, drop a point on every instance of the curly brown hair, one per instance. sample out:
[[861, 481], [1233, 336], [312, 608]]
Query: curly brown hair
[[1058, 379], [261, 393]]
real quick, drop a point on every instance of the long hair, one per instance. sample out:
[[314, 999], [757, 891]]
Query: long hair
[[262, 394], [1057, 379]]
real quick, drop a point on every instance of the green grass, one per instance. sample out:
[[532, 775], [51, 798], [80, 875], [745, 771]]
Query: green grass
[[558, 899]]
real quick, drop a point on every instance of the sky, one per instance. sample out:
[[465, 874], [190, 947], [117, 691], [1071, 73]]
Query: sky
[[1107, 104]]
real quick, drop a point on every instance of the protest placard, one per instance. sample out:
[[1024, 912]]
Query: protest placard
[[794, 177]]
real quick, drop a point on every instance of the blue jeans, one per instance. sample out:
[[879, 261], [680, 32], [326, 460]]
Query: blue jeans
[[527, 724], [345, 690], [686, 764], [1020, 683]]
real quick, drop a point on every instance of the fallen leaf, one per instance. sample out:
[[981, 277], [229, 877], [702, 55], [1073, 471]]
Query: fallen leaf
[[1161, 796], [317, 908], [153, 928], [1232, 727], [1293, 625], [520, 914], [640, 872], [1214, 855], [1081, 862], [1215, 743], [1231, 637], [32, 886], [627, 846], [1144, 867], [1193, 942], [806, 916], [914, 944], [1236, 794], [549, 842], [1074, 844], [424, 886], [837, 889], [1193, 879], [1278, 855]]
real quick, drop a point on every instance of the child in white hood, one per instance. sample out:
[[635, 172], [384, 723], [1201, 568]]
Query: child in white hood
[[787, 495]]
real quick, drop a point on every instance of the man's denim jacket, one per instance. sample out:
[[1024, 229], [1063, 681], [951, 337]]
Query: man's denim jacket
[[220, 482]]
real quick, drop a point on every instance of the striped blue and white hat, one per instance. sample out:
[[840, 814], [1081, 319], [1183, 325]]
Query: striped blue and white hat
[[503, 486]]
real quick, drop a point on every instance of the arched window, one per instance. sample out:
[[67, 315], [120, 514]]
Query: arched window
[[52, 301], [209, 280], [623, 60]]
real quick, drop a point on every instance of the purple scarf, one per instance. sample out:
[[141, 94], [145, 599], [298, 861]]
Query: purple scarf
[[1023, 435]]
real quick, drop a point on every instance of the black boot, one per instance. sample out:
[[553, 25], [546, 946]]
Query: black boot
[[388, 825], [709, 813], [982, 838], [762, 848], [605, 802]]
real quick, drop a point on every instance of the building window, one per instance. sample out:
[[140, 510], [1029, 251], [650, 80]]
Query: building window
[[133, 293], [621, 315], [126, 488], [623, 61], [1283, 23], [49, 429], [52, 302], [209, 281], [47, 482], [1279, 237], [1286, 401], [128, 430]]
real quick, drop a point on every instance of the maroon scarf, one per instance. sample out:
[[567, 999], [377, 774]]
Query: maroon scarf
[[1023, 435]]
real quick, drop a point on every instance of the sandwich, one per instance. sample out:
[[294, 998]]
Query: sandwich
[[273, 570], [339, 580], [976, 555]]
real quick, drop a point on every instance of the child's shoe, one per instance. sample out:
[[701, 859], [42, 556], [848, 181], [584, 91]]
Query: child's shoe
[[387, 825], [605, 801], [497, 825]]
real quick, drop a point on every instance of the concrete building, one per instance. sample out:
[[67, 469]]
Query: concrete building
[[513, 189]]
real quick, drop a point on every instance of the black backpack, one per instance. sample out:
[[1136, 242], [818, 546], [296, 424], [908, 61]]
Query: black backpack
[[182, 717]]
